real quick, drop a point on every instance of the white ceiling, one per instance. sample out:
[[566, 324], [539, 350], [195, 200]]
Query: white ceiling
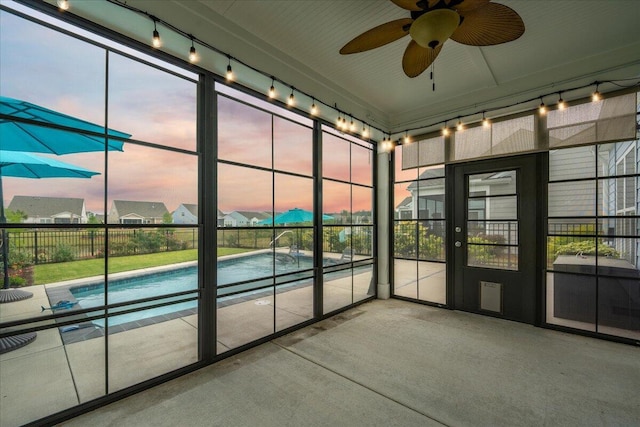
[[567, 43]]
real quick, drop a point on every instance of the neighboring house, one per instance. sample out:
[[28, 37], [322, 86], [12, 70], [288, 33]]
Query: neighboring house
[[404, 209], [50, 210], [128, 212], [244, 218], [427, 196], [186, 213], [623, 159], [428, 202]]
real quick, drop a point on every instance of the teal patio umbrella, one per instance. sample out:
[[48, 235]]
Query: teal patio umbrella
[[25, 165], [30, 128], [292, 216], [21, 129]]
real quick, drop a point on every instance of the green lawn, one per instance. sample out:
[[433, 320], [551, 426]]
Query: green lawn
[[56, 272]]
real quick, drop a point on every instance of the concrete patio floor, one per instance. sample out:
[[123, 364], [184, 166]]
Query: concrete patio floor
[[395, 363], [47, 376]]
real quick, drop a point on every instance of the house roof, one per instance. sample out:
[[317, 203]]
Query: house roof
[[46, 206], [258, 215], [427, 174], [192, 208], [144, 209], [405, 202]]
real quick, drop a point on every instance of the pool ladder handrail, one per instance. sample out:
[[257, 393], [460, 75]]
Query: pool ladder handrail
[[278, 236]]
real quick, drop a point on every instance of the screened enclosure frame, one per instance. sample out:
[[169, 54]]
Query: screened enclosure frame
[[205, 156]]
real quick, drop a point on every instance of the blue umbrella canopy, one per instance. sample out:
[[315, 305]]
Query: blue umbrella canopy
[[292, 216], [20, 130], [25, 165]]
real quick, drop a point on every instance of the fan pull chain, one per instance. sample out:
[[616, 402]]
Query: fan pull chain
[[432, 73]]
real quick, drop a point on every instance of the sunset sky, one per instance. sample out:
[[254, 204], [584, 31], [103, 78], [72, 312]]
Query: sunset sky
[[55, 71]]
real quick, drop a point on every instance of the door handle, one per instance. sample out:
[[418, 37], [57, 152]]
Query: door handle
[[458, 243]]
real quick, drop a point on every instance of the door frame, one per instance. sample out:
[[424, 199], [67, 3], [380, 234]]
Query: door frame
[[454, 284]]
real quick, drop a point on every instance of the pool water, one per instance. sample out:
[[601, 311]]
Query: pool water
[[233, 270]]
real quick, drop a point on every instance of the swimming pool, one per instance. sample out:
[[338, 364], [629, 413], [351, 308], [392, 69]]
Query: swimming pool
[[233, 270]]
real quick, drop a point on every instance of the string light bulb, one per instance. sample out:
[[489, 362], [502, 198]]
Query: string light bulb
[[314, 107], [272, 89], [193, 56], [156, 35], [485, 121], [445, 130], [459, 126], [596, 95], [386, 144], [352, 126], [230, 76], [542, 109], [63, 4], [365, 131], [292, 100], [407, 140], [561, 104]]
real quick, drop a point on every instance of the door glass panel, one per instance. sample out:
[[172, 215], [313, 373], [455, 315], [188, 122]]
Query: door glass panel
[[492, 220], [501, 207], [493, 183]]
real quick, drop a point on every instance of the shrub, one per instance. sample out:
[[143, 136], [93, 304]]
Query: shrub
[[19, 258], [62, 253], [586, 247], [431, 247], [17, 282]]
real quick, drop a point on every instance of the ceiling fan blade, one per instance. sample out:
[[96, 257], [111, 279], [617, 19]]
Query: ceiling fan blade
[[469, 5], [416, 58], [489, 25], [378, 36], [408, 4]]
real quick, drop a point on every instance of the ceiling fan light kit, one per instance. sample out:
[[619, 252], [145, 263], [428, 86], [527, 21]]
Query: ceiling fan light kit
[[433, 28], [433, 22]]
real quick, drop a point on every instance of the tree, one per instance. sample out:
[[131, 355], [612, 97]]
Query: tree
[[15, 216], [92, 219], [167, 218]]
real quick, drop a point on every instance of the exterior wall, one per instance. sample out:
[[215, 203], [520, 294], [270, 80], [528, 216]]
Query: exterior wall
[[183, 216]]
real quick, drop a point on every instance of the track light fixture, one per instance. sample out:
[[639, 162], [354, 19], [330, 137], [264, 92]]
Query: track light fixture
[[193, 56], [155, 40]]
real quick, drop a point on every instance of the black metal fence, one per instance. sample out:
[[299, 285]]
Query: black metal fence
[[46, 246], [334, 238]]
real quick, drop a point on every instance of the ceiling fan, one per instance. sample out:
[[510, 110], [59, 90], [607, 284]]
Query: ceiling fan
[[432, 22]]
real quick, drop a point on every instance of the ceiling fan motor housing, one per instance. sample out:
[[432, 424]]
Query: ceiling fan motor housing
[[433, 28]]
